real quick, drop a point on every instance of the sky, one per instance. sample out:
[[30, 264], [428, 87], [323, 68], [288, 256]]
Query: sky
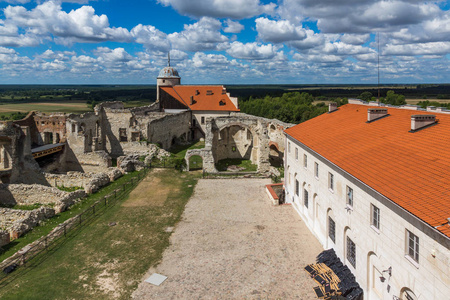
[[224, 41]]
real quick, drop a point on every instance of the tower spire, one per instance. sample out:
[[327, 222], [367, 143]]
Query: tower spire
[[168, 57]]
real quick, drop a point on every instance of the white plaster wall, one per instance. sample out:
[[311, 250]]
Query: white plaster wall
[[375, 250]]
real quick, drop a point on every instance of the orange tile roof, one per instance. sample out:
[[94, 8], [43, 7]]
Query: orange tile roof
[[411, 169], [203, 101]]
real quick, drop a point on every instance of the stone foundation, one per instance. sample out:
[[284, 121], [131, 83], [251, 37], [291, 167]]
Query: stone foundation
[[17, 222]]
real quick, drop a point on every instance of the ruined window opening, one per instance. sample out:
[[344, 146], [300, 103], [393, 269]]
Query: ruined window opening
[[135, 136], [123, 135], [249, 135], [203, 120], [73, 128]]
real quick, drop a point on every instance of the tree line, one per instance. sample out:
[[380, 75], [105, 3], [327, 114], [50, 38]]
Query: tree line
[[292, 107]]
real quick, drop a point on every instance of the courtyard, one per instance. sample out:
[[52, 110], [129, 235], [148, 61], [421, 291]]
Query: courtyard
[[233, 244]]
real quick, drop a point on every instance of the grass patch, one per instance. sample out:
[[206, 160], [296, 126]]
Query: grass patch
[[223, 164], [69, 188], [27, 207], [67, 107], [108, 262], [49, 224], [180, 150]]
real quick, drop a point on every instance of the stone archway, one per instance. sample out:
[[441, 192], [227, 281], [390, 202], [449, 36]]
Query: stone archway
[[235, 141], [275, 155]]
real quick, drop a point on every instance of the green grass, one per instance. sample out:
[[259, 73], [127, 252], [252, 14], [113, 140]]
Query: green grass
[[66, 106], [27, 207], [49, 224], [69, 189], [223, 164], [117, 256], [180, 150]]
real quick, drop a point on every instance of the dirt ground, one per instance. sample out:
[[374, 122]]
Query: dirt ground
[[233, 244]]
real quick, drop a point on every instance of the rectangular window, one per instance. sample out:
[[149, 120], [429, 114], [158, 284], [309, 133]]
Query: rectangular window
[[296, 153], [316, 170], [305, 197], [332, 229], [305, 160], [350, 196], [297, 187], [351, 252], [375, 216], [413, 245], [331, 181], [289, 147], [203, 120]]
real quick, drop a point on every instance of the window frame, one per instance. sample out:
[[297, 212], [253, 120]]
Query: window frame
[[349, 200], [297, 187], [305, 161], [332, 225], [202, 120], [375, 217], [316, 170], [351, 252], [296, 153], [305, 198], [331, 181], [289, 147], [411, 237]]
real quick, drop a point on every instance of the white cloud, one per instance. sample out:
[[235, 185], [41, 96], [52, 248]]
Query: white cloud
[[252, 51], [80, 25], [233, 27], [150, 37], [235, 9], [202, 35], [202, 60], [278, 31], [433, 48], [355, 39]]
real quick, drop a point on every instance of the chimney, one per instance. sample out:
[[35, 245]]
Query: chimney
[[332, 106], [422, 121], [376, 113]]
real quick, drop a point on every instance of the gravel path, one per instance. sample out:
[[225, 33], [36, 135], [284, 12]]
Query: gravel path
[[233, 244]]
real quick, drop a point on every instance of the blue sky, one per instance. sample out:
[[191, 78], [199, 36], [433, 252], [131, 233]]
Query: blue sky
[[224, 41]]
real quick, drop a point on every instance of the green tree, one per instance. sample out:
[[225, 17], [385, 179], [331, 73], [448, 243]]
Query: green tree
[[366, 96]]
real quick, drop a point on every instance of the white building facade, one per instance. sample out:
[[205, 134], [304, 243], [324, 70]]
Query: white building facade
[[393, 253]]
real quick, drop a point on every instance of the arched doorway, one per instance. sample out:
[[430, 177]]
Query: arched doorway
[[234, 145], [275, 155]]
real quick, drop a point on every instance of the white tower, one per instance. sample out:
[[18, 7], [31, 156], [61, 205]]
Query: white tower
[[167, 77]]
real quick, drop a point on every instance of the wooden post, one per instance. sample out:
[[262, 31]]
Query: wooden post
[[65, 232], [93, 209], [105, 200], [79, 218]]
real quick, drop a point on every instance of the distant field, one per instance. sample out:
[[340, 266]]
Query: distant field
[[415, 101], [67, 107]]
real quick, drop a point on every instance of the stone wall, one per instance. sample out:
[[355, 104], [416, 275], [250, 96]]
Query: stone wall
[[170, 129], [28, 194], [90, 182], [17, 222]]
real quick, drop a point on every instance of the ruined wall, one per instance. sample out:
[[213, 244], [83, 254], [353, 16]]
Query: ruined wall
[[17, 222], [51, 128], [90, 182], [28, 194], [170, 129]]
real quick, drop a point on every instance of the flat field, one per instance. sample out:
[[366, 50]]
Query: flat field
[[67, 107]]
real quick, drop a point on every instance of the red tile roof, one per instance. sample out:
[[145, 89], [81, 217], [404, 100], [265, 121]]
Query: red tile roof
[[203, 99], [411, 169]]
